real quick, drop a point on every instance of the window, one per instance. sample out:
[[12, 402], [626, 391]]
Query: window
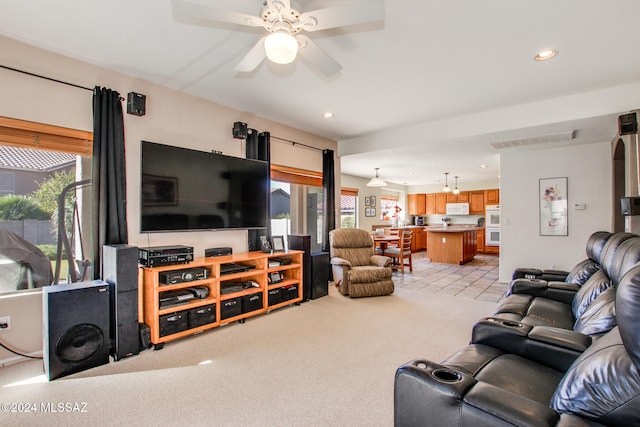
[[36, 162], [297, 203], [349, 208], [389, 207]]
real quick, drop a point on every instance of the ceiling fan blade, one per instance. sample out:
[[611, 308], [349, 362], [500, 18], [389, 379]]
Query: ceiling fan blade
[[340, 16], [252, 59], [198, 14], [317, 57]]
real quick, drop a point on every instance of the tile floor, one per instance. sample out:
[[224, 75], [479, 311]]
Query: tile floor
[[477, 279]]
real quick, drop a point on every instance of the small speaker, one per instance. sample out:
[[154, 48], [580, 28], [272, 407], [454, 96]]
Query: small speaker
[[120, 271], [136, 104], [627, 124], [630, 206], [240, 130], [145, 336], [75, 327]]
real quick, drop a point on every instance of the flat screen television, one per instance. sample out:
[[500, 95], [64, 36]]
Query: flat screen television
[[184, 189]]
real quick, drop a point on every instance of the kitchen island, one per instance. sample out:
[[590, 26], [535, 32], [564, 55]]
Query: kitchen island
[[452, 244]]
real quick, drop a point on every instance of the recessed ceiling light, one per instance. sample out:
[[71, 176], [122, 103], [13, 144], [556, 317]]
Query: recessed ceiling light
[[543, 55], [483, 166], [327, 115]]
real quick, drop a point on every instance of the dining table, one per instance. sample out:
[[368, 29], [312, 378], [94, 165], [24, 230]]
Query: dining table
[[384, 240]]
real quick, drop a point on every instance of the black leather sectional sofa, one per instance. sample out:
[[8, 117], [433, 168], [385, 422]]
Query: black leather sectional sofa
[[554, 353]]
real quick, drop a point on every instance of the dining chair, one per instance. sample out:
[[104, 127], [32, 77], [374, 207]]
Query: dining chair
[[402, 252]]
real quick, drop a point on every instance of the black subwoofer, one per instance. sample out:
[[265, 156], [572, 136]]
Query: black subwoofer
[[120, 271], [75, 327]]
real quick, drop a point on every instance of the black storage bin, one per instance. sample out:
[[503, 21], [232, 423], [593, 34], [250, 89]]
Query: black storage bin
[[289, 292], [274, 296], [173, 323], [231, 307], [202, 315], [252, 302]]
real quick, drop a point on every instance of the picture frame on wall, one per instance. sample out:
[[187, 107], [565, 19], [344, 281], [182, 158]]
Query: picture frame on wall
[[370, 212], [367, 201], [373, 202], [554, 208]]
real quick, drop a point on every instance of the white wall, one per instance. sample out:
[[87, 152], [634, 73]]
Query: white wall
[[589, 172], [171, 118]]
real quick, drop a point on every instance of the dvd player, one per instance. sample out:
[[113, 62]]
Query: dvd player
[[234, 267]]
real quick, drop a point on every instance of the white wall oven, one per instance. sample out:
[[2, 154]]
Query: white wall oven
[[492, 225]]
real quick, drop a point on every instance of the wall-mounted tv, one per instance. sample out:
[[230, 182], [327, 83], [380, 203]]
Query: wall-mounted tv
[[184, 189]]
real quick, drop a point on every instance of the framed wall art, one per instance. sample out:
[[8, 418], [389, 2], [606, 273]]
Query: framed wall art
[[370, 212], [553, 197]]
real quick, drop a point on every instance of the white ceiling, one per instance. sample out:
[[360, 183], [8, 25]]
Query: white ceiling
[[425, 92]]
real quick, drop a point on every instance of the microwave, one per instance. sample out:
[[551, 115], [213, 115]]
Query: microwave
[[457, 208]]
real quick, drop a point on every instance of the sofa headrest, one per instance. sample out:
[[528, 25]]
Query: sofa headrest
[[628, 312], [350, 238], [596, 243], [610, 249], [626, 256]]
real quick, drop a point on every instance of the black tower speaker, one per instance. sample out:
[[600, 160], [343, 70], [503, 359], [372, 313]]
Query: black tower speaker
[[315, 268], [120, 271], [258, 147], [627, 124], [75, 327]]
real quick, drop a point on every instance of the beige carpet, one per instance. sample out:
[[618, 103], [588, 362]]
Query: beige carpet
[[327, 362]]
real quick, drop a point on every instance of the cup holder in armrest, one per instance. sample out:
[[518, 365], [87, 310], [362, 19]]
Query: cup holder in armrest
[[446, 375], [511, 323]]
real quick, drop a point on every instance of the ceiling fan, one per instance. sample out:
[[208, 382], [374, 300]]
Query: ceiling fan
[[284, 25]]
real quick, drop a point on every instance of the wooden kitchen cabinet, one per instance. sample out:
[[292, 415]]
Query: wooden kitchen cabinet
[[441, 203], [462, 197], [480, 240], [430, 204], [476, 202], [492, 197], [416, 204]]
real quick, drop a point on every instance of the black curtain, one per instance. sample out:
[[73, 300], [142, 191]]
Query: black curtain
[[258, 147], [109, 213], [328, 197]]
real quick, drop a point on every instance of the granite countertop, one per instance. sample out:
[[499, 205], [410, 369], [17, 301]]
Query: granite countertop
[[453, 228]]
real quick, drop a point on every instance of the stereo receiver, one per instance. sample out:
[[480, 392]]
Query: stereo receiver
[[155, 256], [181, 276]]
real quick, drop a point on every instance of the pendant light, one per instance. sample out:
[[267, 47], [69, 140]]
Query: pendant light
[[377, 181], [456, 190], [446, 188]]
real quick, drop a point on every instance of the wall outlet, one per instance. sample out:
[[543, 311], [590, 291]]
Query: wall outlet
[[5, 323]]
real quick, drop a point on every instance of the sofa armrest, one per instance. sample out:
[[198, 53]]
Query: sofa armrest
[[428, 393], [534, 287], [564, 338], [558, 291], [340, 261], [562, 291], [526, 273], [553, 347], [556, 275], [511, 408], [380, 260]]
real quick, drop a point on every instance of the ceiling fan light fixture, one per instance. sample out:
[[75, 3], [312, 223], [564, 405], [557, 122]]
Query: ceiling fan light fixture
[[376, 181], [281, 47]]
